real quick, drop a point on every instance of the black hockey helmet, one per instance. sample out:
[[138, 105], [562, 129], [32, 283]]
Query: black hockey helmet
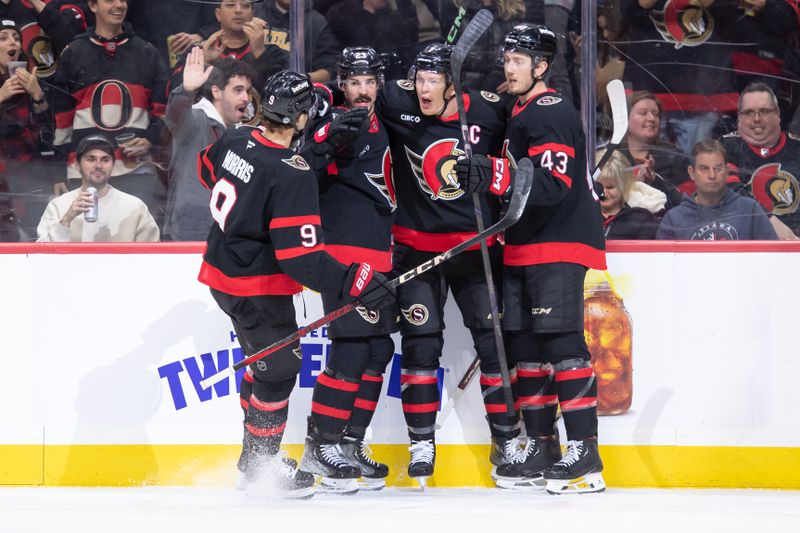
[[434, 58], [356, 60], [286, 96], [533, 39]]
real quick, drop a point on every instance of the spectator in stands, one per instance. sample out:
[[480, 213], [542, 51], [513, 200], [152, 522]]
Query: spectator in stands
[[60, 21], [714, 212], [120, 216], [764, 161], [172, 26], [109, 80], [24, 120], [678, 54], [9, 224], [321, 46], [620, 219], [659, 164], [242, 36], [480, 68], [376, 23], [224, 98]]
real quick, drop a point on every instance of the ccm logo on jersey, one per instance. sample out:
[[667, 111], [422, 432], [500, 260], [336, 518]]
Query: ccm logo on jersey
[[238, 166], [410, 118]]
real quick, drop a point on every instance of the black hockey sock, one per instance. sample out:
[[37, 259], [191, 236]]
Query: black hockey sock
[[366, 401], [500, 424], [332, 404], [266, 416], [245, 390], [420, 396], [537, 397], [577, 396]]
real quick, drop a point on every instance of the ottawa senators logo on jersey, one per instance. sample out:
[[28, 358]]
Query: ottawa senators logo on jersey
[[715, 231], [775, 189], [297, 162], [39, 48], [435, 169], [370, 316], [384, 182], [684, 23]]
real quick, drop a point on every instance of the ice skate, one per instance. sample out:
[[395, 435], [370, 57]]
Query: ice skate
[[327, 462], [506, 450], [373, 473], [579, 471], [423, 459], [277, 475], [524, 472]]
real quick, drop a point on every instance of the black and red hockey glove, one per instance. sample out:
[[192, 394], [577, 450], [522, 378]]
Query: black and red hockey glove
[[481, 173], [324, 99], [342, 130], [369, 287]]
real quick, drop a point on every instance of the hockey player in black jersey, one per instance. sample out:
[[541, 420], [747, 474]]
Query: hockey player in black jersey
[[434, 214], [265, 243], [357, 203], [545, 258]]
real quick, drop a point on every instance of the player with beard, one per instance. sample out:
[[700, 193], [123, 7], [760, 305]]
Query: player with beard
[[357, 204], [433, 215], [546, 256], [265, 242]]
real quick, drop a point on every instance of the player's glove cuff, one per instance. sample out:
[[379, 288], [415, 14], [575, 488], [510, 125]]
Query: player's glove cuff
[[370, 288], [480, 174]]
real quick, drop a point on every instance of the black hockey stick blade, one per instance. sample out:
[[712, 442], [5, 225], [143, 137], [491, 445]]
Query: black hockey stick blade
[[519, 197], [619, 113]]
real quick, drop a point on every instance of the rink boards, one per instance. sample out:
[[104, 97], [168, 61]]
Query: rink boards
[[103, 349]]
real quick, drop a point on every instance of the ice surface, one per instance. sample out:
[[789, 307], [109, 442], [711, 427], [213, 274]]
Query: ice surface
[[189, 510]]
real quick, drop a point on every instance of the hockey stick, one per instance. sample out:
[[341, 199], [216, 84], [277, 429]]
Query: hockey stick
[[619, 111], [453, 33], [522, 187], [477, 27]]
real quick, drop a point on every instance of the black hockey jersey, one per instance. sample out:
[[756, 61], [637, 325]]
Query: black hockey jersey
[[433, 212], [108, 86], [266, 238], [357, 198], [562, 222], [769, 175]]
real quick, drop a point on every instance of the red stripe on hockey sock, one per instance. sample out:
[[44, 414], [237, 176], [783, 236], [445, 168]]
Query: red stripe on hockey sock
[[577, 373], [492, 408], [578, 403], [265, 432], [533, 372], [338, 384], [417, 380], [342, 414], [267, 406], [370, 377], [365, 404], [244, 403], [420, 407], [491, 381], [538, 400]]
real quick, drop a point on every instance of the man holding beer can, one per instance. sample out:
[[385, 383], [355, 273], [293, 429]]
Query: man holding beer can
[[96, 212]]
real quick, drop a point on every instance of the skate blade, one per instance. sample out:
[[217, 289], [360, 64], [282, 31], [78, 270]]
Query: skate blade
[[531, 484], [300, 494], [342, 487], [260, 490], [423, 482], [371, 484], [581, 485]]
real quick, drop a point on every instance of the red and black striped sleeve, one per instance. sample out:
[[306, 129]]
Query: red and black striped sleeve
[[552, 150]]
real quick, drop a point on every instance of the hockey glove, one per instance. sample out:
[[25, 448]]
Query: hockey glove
[[480, 174], [341, 131], [324, 99], [369, 287]]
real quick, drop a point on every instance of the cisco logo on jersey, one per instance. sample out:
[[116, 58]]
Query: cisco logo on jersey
[[238, 166]]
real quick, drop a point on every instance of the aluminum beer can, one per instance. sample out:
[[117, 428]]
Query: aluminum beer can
[[91, 214]]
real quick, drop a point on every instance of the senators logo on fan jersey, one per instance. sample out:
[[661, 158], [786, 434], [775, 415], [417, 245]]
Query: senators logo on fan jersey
[[775, 189], [435, 169], [684, 23], [384, 181]]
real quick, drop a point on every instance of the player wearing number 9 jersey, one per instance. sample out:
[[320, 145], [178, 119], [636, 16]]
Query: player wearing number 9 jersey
[[265, 242]]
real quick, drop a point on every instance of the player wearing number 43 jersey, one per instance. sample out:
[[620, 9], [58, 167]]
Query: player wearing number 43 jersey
[[546, 257], [265, 242], [434, 214]]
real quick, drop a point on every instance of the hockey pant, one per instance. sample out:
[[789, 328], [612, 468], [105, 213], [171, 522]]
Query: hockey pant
[[422, 301], [543, 318], [264, 392]]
